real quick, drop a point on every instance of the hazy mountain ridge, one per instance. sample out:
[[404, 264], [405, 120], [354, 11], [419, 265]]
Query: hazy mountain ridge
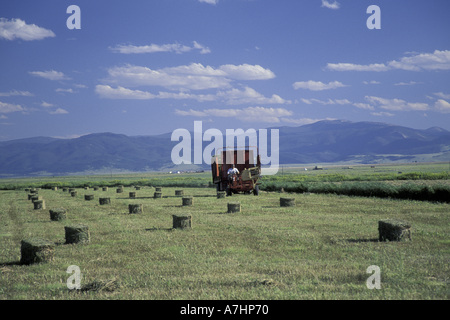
[[320, 142]]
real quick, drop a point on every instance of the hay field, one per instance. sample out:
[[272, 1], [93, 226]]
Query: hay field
[[318, 249]]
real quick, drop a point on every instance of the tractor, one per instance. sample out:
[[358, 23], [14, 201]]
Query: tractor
[[246, 180]]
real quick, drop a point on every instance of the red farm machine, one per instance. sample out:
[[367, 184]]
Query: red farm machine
[[248, 167]]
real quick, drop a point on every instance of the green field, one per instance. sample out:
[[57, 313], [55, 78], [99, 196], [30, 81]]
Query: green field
[[319, 249]]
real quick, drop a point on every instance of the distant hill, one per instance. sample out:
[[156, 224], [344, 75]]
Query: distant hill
[[320, 142]]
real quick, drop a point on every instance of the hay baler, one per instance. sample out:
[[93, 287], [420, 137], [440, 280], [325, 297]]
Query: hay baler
[[249, 171]]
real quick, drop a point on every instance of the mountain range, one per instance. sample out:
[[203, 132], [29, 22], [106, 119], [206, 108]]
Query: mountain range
[[330, 141]]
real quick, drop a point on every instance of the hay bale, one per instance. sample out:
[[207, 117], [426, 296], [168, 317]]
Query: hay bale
[[58, 214], [182, 221], [33, 190], [74, 193], [137, 188], [221, 194], [35, 197], [234, 207], [103, 201], [119, 190], [188, 201], [287, 202], [71, 190], [105, 189], [132, 195], [30, 195], [179, 193], [55, 188], [86, 188], [158, 189], [95, 188], [36, 250], [394, 230], [157, 195], [65, 189], [99, 285], [78, 233], [39, 204], [88, 197], [135, 208]]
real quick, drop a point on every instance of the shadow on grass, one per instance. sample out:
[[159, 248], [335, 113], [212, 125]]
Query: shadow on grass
[[159, 229], [362, 240]]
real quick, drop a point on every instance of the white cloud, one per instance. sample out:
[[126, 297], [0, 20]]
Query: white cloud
[[209, 1], [108, 92], [8, 107], [18, 29], [335, 5], [442, 95], [70, 90], [249, 96], [59, 111], [363, 106], [193, 77], [250, 114], [154, 48], [438, 60], [50, 75], [377, 67], [46, 104], [396, 104], [411, 83], [371, 82], [326, 102], [16, 93], [382, 114], [231, 97], [187, 77], [302, 121], [247, 72], [317, 85], [442, 106]]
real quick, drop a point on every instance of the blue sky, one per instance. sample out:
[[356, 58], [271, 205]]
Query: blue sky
[[150, 67]]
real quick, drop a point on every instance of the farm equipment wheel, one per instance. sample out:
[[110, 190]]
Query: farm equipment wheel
[[256, 190]]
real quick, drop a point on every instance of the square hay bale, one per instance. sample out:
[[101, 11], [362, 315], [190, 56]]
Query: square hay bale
[[135, 208], [157, 195], [132, 195], [58, 214], [101, 285], [35, 197], [179, 193], [188, 201], [221, 194], [74, 193], [234, 207], [88, 197], [77, 233], [39, 204], [36, 250], [103, 201], [394, 230], [182, 221], [287, 202], [105, 189]]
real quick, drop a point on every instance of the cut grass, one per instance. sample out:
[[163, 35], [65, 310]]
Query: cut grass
[[319, 249]]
